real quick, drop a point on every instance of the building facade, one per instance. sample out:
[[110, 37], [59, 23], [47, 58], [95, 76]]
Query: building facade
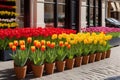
[[72, 14]]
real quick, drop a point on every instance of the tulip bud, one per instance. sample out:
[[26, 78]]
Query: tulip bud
[[10, 44], [33, 48], [38, 44], [21, 42], [52, 45], [43, 48], [48, 43], [61, 43], [15, 42], [42, 42], [22, 47], [29, 39], [69, 46], [13, 48]]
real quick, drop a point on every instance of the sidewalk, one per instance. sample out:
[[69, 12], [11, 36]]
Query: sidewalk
[[93, 71]]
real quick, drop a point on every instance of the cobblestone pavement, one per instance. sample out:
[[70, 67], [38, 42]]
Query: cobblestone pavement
[[100, 70]]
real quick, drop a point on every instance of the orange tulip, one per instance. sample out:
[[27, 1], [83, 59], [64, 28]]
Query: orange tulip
[[10, 44], [15, 42], [35, 42], [66, 43], [13, 48], [33, 48], [29, 39], [69, 46], [43, 48], [22, 47], [48, 43], [52, 45], [38, 44], [42, 42], [61, 43], [21, 42]]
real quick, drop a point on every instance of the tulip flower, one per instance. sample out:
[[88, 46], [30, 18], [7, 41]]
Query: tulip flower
[[13, 48], [43, 48], [33, 48], [10, 44], [15, 42], [48, 43], [21, 42], [29, 39], [52, 45], [38, 44], [42, 42], [22, 47]]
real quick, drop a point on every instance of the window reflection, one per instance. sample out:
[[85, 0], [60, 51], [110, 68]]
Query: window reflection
[[49, 15]]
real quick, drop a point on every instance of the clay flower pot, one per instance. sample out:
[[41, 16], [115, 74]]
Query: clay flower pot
[[78, 61], [69, 63], [20, 71], [85, 60], [60, 65], [98, 56], [38, 70], [49, 68], [108, 54], [103, 55], [92, 58]]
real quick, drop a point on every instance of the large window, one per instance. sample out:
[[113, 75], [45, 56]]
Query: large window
[[54, 13], [94, 12]]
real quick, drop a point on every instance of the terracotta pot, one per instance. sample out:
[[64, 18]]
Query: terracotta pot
[[98, 56], [29, 66], [20, 71], [60, 65], [38, 70], [78, 61], [108, 54], [70, 63], [92, 58], [49, 68], [103, 55], [85, 60]]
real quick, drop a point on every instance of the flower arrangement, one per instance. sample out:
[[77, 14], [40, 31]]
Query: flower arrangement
[[19, 56], [8, 14], [115, 32]]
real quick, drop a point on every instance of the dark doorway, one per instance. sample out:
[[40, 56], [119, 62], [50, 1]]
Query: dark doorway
[[72, 14], [26, 11]]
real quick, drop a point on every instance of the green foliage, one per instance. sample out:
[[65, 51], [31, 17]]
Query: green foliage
[[93, 48], [20, 57], [37, 57], [78, 49], [50, 55], [86, 49], [61, 54], [70, 52]]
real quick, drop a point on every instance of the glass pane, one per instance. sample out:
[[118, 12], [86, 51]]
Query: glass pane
[[61, 1], [91, 16], [91, 2], [96, 16], [49, 15], [61, 15], [49, 0]]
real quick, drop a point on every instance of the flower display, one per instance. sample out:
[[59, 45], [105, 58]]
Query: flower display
[[115, 32], [8, 14]]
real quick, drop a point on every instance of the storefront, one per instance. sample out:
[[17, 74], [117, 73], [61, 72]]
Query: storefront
[[73, 14], [113, 9]]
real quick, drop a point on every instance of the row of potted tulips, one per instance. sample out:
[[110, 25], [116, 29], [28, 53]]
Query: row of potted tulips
[[60, 48]]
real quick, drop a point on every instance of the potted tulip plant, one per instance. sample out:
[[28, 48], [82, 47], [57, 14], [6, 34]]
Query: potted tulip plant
[[20, 58], [50, 55], [61, 54], [70, 57], [37, 57], [78, 52]]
